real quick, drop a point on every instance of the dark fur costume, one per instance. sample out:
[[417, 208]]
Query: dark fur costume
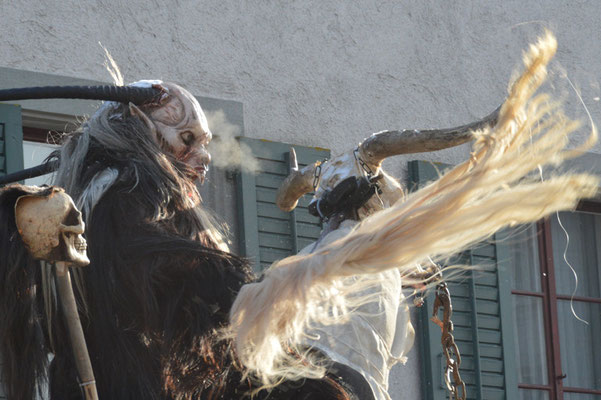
[[24, 335], [158, 289]]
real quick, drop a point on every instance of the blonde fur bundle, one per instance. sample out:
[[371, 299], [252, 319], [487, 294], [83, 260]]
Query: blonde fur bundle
[[491, 190]]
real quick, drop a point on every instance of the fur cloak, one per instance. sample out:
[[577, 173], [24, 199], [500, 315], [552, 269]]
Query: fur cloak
[[159, 287], [156, 294]]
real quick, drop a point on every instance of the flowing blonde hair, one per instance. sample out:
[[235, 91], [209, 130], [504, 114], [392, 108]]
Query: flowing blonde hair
[[491, 190]]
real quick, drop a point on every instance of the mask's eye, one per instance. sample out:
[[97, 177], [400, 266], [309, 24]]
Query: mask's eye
[[187, 137]]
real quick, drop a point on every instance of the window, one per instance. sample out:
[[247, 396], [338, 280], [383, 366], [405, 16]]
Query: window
[[558, 355], [36, 148], [547, 353]]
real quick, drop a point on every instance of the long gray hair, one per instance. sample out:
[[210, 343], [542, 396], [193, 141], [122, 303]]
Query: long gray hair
[[116, 146], [119, 135]]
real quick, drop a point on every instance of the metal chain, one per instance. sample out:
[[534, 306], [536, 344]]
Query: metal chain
[[366, 169], [455, 385], [369, 174], [317, 176]]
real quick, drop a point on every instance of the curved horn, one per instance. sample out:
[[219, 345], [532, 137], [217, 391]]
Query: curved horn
[[391, 143], [121, 94], [42, 169], [296, 184]]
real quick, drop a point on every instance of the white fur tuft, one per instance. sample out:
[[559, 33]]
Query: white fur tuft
[[99, 184]]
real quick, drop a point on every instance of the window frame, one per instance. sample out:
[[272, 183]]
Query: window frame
[[550, 299]]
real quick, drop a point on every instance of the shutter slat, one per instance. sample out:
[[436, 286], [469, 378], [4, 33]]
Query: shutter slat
[[265, 194], [492, 380], [486, 350], [489, 322], [485, 249], [491, 351], [273, 167], [306, 218], [486, 278], [491, 365], [270, 255], [493, 394], [487, 293], [489, 336], [282, 226], [307, 230], [270, 210], [486, 364], [272, 225], [282, 242], [268, 180]]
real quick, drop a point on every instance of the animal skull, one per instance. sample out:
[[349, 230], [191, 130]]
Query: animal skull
[[51, 227], [367, 158], [346, 165], [180, 127]]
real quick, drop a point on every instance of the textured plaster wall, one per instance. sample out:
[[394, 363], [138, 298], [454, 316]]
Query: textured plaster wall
[[318, 72], [314, 72]]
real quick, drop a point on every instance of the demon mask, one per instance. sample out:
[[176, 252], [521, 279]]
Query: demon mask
[[180, 127]]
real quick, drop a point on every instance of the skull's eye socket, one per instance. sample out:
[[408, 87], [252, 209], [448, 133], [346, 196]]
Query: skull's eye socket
[[188, 138], [72, 218]]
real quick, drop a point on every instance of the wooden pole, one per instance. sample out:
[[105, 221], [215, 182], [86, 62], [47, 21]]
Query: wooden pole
[[78, 341]]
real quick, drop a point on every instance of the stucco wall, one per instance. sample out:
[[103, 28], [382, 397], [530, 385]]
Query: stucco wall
[[318, 72], [312, 72]]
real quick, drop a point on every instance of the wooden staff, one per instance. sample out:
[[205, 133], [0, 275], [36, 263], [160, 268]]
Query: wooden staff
[[78, 341]]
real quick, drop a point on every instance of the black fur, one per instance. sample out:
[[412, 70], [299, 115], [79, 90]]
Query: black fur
[[24, 336], [158, 289]]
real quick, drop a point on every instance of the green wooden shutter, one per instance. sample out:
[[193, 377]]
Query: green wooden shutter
[[267, 233], [11, 154], [11, 139], [481, 316]]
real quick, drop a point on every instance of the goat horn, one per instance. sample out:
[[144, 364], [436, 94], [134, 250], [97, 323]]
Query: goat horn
[[391, 143], [296, 184]]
